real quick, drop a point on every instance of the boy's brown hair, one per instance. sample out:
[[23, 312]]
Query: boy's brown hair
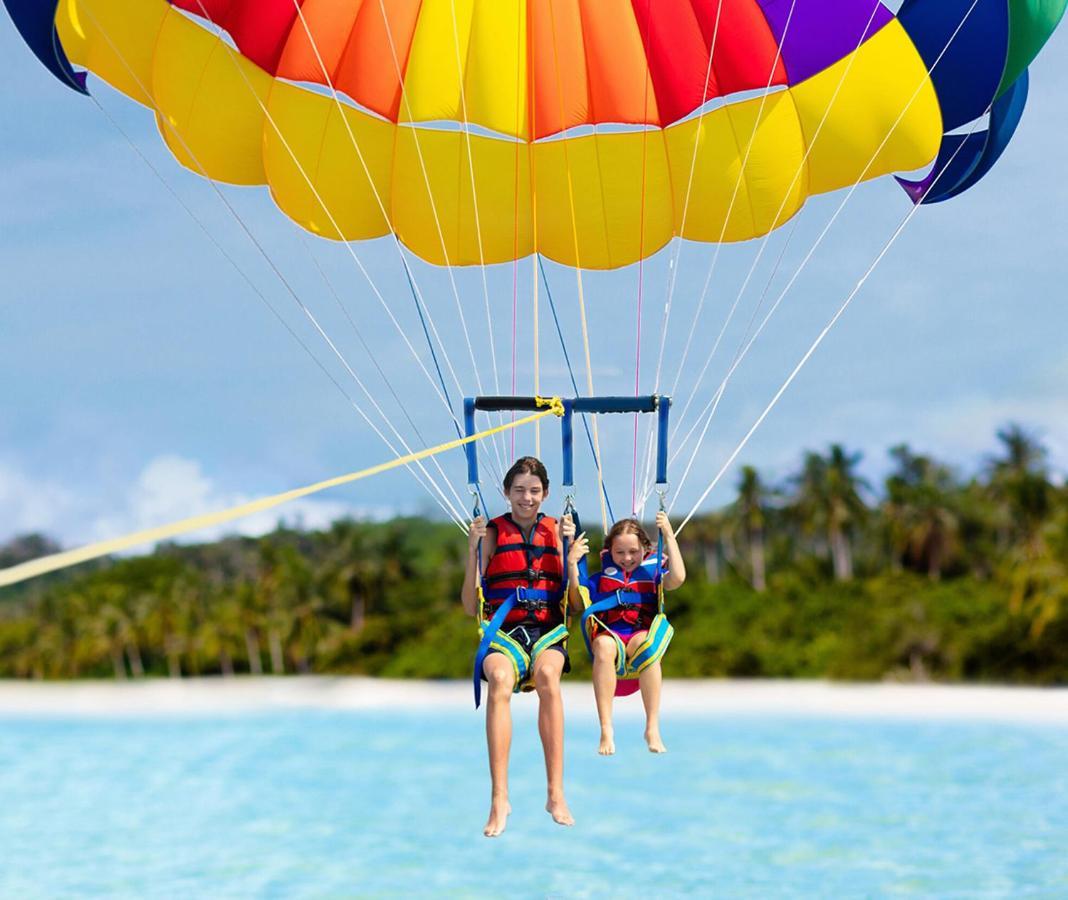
[[628, 526], [527, 465]]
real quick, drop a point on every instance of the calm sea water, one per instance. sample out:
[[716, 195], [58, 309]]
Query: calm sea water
[[315, 804]]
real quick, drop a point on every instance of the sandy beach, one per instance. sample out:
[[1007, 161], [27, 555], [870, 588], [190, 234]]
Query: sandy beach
[[213, 696]]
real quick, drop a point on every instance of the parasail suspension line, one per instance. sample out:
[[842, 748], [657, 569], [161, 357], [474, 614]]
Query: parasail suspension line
[[56, 561]]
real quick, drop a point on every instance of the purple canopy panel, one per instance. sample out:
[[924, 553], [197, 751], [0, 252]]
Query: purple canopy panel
[[819, 33]]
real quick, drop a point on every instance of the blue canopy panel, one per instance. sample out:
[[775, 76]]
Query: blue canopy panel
[[964, 160], [965, 45], [36, 22]]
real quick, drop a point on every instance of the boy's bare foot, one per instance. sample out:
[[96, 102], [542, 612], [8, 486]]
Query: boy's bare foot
[[656, 745], [608, 742], [559, 811], [498, 818]]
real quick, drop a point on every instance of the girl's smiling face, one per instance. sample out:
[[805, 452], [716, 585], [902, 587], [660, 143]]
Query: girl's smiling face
[[627, 552], [526, 496]]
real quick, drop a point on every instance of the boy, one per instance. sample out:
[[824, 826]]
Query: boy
[[524, 569]]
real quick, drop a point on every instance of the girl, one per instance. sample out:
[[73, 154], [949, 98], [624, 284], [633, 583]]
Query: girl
[[524, 635], [626, 629]]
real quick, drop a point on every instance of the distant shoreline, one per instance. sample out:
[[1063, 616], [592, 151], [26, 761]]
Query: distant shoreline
[[819, 699]]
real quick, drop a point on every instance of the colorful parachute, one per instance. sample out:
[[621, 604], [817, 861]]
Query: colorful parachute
[[591, 131]]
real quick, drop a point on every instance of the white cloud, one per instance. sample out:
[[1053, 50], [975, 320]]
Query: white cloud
[[29, 504], [172, 487], [967, 430], [169, 488]]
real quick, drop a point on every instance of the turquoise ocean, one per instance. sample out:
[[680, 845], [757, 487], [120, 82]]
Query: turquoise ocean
[[391, 804]]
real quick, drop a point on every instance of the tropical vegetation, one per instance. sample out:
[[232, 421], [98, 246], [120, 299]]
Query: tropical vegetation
[[932, 575]]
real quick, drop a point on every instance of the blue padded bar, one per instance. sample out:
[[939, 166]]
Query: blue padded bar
[[663, 410], [568, 443], [470, 449]]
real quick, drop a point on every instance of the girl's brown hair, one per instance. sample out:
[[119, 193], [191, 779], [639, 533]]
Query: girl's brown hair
[[527, 465], [629, 526]]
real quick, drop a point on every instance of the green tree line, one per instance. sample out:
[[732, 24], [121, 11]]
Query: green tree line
[[929, 575]]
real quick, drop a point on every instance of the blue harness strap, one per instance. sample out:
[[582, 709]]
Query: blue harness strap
[[599, 607], [494, 639], [489, 634], [656, 641]]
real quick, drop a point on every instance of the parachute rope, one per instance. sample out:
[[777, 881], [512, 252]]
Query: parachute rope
[[641, 280], [430, 484], [421, 307], [441, 501], [571, 375], [409, 275], [808, 257], [373, 357], [673, 265], [578, 275], [713, 404], [57, 561], [815, 344], [717, 395], [811, 143], [440, 232], [733, 201], [478, 221]]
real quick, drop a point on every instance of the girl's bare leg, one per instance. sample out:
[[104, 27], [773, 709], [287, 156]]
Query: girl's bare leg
[[649, 682], [501, 679], [604, 689], [548, 668]]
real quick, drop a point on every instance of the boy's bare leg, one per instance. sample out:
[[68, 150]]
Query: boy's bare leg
[[649, 682], [548, 668], [604, 689], [501, 679]]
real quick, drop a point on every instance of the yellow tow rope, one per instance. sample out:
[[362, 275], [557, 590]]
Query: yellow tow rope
[[52, 563]]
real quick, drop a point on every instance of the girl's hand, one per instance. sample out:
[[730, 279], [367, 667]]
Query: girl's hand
[[579, 549], [664, 525], [567, 527], [476, 531]]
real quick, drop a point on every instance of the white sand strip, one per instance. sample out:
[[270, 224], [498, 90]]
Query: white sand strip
[[206, 696]]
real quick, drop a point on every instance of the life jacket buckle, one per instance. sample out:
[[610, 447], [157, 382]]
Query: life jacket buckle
[[526, 634]]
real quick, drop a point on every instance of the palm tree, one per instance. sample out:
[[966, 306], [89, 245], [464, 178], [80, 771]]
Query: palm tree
[[845, 508], [1020, 486], [918, 511], [703, 539], [110, 626], [749, 512], [827, 499]]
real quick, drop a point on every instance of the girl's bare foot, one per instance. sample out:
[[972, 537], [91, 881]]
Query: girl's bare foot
[[608, 742], [559, 811], [652, 738], [498, 817]]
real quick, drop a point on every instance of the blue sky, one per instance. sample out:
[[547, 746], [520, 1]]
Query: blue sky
[[143, 380]]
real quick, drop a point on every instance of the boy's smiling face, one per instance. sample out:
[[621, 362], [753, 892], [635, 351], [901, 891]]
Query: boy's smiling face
[[526, 496]]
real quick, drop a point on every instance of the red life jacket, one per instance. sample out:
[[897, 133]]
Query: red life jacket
[[638, 588], [533, 567]]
